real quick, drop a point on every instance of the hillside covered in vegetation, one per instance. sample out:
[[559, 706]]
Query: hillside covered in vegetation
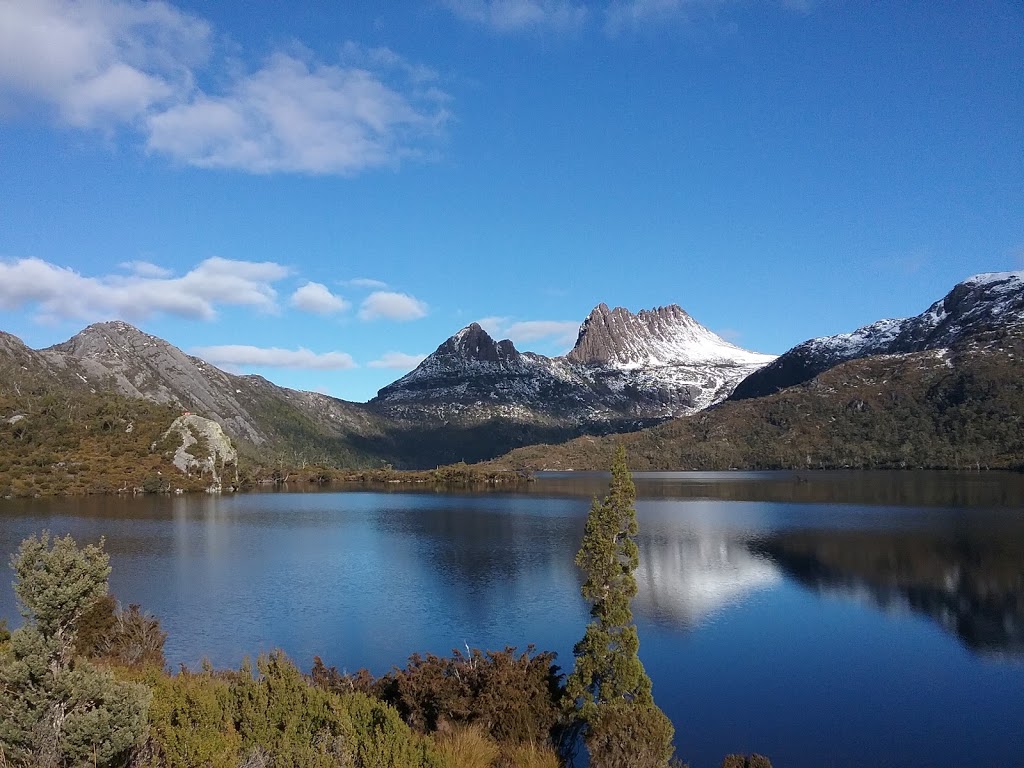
[[958, 408]]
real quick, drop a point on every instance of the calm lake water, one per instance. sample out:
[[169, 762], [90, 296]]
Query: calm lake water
[[834, 619]]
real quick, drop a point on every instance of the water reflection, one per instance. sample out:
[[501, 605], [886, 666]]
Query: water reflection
[[971, 582], [689, 575], [883, 488]]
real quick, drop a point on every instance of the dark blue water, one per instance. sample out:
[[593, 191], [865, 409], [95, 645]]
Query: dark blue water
[[836, 620]]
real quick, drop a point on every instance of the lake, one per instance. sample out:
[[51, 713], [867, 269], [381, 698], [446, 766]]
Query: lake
[[823, 619]]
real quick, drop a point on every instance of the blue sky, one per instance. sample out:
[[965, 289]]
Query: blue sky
[[321, 192]]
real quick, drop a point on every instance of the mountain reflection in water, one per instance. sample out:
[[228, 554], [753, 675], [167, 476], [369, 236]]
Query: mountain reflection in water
[[970, 583], [891, 488], [685, 578]]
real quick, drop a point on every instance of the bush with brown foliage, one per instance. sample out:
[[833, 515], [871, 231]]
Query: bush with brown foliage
[[744, 761], [514, 697], [127, 637]]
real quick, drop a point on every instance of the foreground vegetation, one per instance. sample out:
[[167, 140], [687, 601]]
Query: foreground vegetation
[[83, 683]]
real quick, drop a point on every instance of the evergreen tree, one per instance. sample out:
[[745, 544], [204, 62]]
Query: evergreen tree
[[609, 691], [57, 709]]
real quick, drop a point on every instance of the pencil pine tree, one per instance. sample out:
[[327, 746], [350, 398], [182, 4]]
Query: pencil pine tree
[[608, 691]]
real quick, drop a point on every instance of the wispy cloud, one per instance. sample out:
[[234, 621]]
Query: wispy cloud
[[390, 305], [366, 282], [316, 298], [244, 356], [730, 334], [108, 64], [629, 15], [145, 269], [518, 15], [397, 360], [59, 292], [558, 333]]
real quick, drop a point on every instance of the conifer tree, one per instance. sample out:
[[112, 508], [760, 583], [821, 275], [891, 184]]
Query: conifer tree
[[56, 708], [609, 691]]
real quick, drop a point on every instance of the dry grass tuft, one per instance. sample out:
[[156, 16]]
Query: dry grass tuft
[[467, 747]]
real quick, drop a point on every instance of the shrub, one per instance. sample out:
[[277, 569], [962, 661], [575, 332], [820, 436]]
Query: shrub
[[191, 723], [515, 697], [530, 755]]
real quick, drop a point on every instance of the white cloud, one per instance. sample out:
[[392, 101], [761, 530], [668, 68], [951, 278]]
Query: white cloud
[[560, 333], [242, 355], [518, 15], [399, 360], [494, 325], [114, 63], [390, 305], [626, 15], [59, 292], [316, 298], [296, 116], [145, 269], [366, 282], [98, 62]]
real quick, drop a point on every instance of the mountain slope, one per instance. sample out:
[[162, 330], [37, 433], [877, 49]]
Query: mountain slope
[[935, 409], [276, 421], [985, 304]]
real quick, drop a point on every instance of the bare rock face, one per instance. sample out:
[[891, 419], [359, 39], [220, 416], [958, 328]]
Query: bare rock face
[[662, 336], [203, 449], [474, 343], [980, 307]]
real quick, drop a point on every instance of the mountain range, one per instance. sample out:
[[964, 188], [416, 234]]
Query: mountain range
[[687, 397], [942, 389], [473, 398]]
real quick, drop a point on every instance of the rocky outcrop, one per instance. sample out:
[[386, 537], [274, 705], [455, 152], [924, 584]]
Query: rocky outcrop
[[201, 447], [983, 306], [652, 338]]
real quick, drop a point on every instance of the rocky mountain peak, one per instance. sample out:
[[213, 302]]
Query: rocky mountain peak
[[656, 337], [474, 343], [100, 339]]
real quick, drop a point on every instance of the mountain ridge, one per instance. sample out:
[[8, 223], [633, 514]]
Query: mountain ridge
[[472, 399], [983, 303]]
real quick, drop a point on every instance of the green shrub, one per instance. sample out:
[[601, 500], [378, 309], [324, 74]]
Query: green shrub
[[191, 723]]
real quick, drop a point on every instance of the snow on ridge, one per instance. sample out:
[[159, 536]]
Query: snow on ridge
[[851, 344], [987, 278]]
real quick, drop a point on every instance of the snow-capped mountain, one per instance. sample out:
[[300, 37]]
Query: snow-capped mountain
[[986, 304], [625, 369]]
